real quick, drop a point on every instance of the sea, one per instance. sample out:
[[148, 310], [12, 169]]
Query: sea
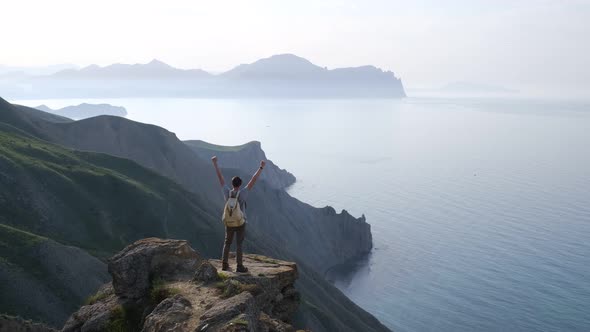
[[479, 207]]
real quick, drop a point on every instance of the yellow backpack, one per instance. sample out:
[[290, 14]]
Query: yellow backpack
[[232, 213]]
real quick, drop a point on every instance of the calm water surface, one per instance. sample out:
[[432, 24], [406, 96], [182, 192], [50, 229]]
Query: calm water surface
[[480, 209]]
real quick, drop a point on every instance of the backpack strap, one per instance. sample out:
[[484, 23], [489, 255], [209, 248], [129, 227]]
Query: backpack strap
[[237, 194]]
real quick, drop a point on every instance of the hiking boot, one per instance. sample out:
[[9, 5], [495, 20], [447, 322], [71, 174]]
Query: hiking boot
[[242, 269], [225, 267]]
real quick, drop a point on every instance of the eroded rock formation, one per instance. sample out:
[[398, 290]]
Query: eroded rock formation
[[164, 285]]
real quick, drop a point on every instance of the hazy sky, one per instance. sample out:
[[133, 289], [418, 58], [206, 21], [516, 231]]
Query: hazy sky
[[516, 43]]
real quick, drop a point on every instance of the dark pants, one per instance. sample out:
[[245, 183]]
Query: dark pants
[[240, 233]]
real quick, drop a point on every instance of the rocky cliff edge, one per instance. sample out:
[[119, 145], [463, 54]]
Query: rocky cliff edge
[[164, 285]]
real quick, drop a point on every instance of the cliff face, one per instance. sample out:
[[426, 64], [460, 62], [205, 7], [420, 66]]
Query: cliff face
[[246, 158], [164, 285]]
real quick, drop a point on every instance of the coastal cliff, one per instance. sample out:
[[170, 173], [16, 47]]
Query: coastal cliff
[[164, 285], [244, 157]]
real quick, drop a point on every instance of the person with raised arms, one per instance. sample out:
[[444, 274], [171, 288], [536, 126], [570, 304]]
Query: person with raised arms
[[234, 214]]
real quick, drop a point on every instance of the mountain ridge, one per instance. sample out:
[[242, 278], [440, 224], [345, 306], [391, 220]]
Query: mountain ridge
[[278, 61], [278, 76], [153, 69]]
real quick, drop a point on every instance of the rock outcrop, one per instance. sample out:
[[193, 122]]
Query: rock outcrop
[[164, 285]]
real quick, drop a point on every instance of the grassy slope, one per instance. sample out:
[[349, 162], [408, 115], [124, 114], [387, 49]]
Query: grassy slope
[[94, 201], [19, 260], [15, 245]]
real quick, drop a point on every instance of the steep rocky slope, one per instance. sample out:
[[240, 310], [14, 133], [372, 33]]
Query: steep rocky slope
[[244, 157]]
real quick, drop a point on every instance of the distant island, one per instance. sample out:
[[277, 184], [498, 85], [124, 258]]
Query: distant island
[[85, 110], [279, 76]]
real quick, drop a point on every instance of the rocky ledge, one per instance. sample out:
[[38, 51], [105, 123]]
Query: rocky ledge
[[164, 285]]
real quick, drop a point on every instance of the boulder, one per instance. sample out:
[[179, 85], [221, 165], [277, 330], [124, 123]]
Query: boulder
[[96, 316], [171, 314], [135, 267], [238, 309], [206, 272]]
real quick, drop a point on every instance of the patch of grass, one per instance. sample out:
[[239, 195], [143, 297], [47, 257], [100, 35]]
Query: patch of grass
[[239, 321], [118, 321], [160, 291], [222, 276], [230, 288], [250, 288], [124, 319], [96, 298]]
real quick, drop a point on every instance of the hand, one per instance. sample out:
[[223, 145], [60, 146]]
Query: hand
[[214, 159], [262, 163]]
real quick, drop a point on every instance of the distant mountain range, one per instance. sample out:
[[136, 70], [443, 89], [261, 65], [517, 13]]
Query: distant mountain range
[[153, 70], [284, 75], [33, 70]]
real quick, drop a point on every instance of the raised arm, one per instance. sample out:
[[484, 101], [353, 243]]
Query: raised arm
[[256, 175], [218, 171]]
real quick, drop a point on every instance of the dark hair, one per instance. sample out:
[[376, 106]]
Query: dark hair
[[236, 181]]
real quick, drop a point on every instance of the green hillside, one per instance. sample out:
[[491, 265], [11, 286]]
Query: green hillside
[[43, 280], [94, 201], [15, 245]]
